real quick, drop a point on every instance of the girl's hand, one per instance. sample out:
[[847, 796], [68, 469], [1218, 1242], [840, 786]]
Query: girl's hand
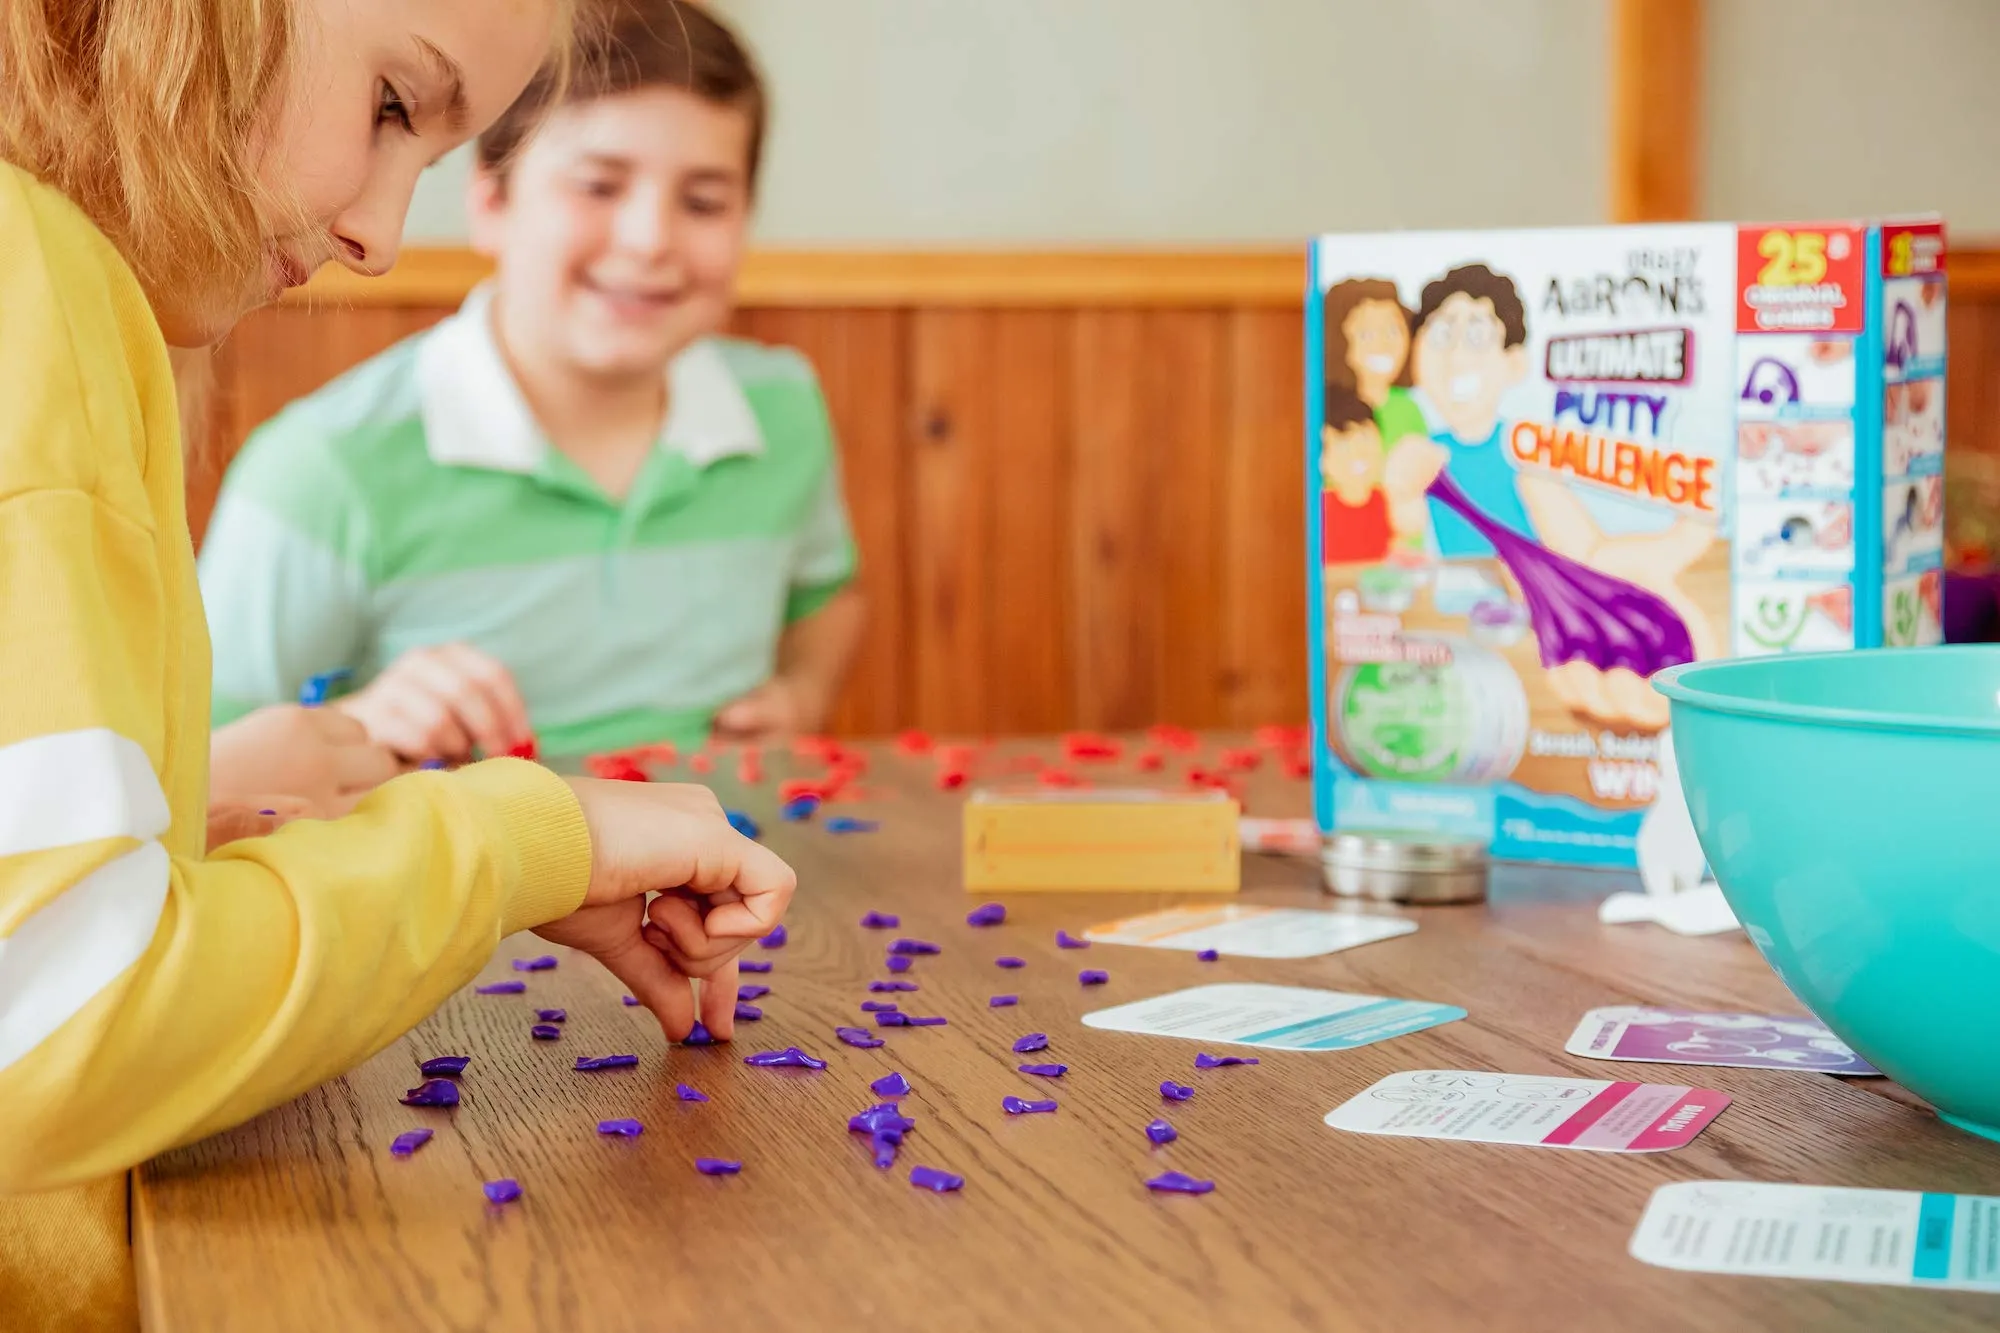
[[728, 891], [440, 702], [317, 755]]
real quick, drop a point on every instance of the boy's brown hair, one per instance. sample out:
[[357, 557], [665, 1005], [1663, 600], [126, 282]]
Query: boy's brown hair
[[636, 44]]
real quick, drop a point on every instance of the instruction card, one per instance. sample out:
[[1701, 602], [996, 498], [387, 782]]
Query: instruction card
[[1479, 1107], [1287, 1018], [1690, 1037], [1251, 932], [1897, 1238]]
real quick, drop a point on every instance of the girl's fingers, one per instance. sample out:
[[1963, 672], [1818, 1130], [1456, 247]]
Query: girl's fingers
[[764, 885], [682, 922], [718, 1002], [689, 964], [655, 983]]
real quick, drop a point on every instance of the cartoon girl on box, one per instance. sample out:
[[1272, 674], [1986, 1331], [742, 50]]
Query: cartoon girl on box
[[1368, 353], [1608, 611], [1368, 360]]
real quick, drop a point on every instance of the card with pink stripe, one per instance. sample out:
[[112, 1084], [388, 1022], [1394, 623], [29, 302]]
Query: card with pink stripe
[[1532, 1109]]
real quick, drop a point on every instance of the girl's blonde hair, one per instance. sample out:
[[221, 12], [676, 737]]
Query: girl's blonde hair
[[146, 114]]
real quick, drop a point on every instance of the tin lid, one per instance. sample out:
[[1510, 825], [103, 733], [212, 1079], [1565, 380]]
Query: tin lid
[[1407, 851]]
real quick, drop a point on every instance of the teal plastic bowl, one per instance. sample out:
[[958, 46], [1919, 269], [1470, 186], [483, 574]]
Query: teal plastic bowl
[[1849, 805]]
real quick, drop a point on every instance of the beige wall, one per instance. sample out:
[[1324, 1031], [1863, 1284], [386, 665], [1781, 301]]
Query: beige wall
[[1022, 122], [1187, 122], [1839, 107]]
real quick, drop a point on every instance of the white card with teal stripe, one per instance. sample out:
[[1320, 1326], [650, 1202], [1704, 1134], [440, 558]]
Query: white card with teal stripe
[[1897, 1238], [1285, 1018]]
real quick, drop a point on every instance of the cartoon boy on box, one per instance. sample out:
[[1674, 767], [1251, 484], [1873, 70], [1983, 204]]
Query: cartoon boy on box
[[1596, 599]]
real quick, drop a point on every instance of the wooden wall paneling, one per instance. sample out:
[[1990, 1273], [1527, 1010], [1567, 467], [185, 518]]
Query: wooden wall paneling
[[1184, 384], [1972, 336], [859, 356], [1263, 602], [1116, 608], [1029, 678], [277, 355], [950, 429]]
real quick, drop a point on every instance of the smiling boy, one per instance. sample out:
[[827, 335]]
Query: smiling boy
[[572, 511]]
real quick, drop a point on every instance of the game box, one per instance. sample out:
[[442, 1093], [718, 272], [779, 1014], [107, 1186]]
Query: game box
[[1545, 464]]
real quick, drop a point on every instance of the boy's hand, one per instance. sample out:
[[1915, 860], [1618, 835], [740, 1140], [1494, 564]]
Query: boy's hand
[[318, 755], [229, 821], [727, 891], [780, 708], [440, 702]]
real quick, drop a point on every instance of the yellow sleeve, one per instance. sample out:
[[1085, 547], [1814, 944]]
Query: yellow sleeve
[[150, 994], [146, 998]]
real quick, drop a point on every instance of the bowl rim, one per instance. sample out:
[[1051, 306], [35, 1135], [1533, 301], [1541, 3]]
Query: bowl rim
[[1668, 682]]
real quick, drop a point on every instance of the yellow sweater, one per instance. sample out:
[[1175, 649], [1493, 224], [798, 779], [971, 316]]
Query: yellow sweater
[[149, 994]]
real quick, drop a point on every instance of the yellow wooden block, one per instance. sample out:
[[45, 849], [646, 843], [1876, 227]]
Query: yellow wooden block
[[1142, 840]]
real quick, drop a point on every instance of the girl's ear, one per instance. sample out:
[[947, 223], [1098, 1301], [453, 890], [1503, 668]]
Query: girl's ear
[[485, 210]]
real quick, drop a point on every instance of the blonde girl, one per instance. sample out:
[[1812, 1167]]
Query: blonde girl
[[166, 165]]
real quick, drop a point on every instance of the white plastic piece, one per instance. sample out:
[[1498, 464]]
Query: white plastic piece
[[1679, 893], [1670, 856], [1698, 911]]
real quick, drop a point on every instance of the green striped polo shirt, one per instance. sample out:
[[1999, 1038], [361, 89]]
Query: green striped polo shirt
[[414, 501]]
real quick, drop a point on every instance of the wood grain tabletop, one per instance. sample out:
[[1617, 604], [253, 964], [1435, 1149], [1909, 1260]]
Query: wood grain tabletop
[[301, 1219]]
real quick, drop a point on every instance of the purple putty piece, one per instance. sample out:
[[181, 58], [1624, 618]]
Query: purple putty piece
[[790, 1056], [409, 1141], [1022, 1106], [432, 1092], [590, 1062], [1203, 1060]]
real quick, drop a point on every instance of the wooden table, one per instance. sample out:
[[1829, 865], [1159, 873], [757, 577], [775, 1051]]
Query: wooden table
[[302, 1220]]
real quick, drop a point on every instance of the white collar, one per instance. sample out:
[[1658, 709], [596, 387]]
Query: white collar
[[474, 414]]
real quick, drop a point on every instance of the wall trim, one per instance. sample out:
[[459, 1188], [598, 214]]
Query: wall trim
[[441, 276], [850, 279]]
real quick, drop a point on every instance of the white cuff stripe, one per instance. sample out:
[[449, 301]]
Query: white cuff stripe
[[58, 960], [76, 787]]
